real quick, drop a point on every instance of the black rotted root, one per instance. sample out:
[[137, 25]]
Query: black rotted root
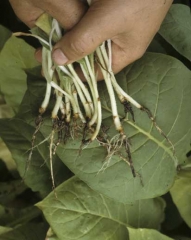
[[129, 156], [128, 109]]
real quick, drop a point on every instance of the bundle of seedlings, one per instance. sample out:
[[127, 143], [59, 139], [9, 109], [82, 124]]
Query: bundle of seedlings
[[78, 105]]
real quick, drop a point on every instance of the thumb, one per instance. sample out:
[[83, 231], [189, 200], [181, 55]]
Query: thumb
[[84, 37]]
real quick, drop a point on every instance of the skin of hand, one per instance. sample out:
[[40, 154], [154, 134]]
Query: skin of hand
[[130, 24]]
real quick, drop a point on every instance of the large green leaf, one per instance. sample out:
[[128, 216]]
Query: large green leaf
[[176, 29], [17, 136], [162, 84], [181, 195], [94, 216], [5, 35], [15, 57]]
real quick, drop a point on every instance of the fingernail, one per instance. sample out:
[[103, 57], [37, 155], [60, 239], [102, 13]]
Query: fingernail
[[59, 57], [38, 54]]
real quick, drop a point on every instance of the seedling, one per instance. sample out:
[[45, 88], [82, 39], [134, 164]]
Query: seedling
[[80, 102]]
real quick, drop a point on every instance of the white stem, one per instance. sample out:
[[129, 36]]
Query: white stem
[[82, 86], [18, 34], [110, 55], [99, 120], [62, 108], [46, 99], [79, 90], [57, 105], [120, 92], [74, 92], [95, 94], [111, 92], [57, 28], [87, 77], [47, 64], [75, 109], [50, 37], [68, 109]]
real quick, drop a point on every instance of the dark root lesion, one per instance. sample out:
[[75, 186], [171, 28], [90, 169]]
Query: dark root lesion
[[128, 109]]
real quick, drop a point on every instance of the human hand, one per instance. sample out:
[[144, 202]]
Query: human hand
[[130, 24], [67, 12]]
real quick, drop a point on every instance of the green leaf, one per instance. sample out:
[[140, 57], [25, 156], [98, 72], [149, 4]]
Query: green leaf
[[25, 232], [181, 195], [146, 234], [17, 136], [162, 84], [15, 57], [160, 45], [81, 213], [154, 81], [176, 29], [5, 35]]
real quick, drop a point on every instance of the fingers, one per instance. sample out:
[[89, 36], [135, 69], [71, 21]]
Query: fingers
[[130, 31], [26, 11], [130, 25], [67, 13], [95, 27]]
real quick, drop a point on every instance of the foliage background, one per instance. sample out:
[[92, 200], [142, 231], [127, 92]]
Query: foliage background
[[20, 219]]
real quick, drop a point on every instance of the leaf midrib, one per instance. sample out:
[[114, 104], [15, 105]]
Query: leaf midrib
[[91, 213], [74, 210]]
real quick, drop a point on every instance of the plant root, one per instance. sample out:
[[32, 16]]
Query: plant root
[[58, 126], [136, 173], [51, 151], [126, 144], [128, 109], [38, 123], [67, 132], [114, 147], [84, 144], [157, 127]]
